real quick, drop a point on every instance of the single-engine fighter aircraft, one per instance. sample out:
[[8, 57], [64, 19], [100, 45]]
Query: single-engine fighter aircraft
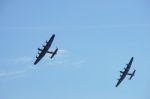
[[45, 49], [125, 73]]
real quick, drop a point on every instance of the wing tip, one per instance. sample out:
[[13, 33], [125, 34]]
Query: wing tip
[[116, 85]]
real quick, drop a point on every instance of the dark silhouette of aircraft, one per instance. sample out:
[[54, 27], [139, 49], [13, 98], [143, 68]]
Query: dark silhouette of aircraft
[[45, 49], [125, 73]]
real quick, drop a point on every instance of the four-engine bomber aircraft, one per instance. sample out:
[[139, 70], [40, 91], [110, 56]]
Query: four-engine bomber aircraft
[[45, 49], [125, 73]]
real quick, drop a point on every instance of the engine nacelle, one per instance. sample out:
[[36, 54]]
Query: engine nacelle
[[39, 49]]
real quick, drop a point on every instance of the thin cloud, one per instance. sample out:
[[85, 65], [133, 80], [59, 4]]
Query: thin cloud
[[27, 59], [124, 25], [61, 52], [72, 64], [63, 60], [68, 61], [21, 60], [19, 72], [76, 27], [6, 74]]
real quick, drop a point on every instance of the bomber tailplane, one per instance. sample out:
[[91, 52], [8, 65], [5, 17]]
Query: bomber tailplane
[[54, 53], [131, 75]]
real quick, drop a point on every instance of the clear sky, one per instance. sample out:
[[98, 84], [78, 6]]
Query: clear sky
[[96, 39]]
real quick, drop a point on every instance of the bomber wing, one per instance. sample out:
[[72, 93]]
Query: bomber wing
[[122, 76]]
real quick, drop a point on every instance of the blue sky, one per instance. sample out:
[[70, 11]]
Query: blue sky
[[96, 39]]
